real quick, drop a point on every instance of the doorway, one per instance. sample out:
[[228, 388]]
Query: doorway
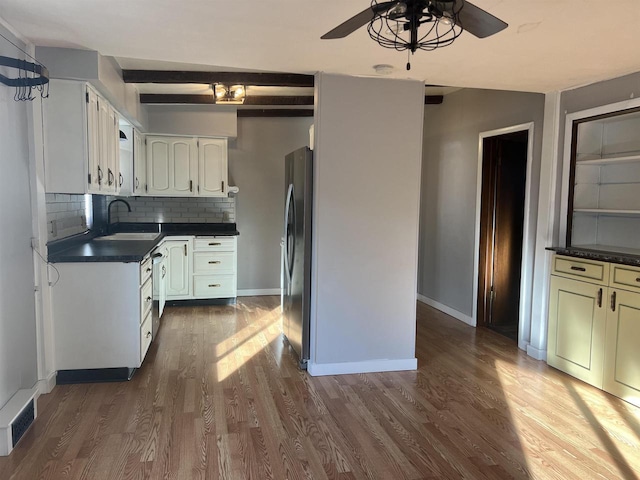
[[502, 221]]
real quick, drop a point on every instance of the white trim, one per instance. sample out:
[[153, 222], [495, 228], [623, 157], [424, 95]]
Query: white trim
[[46, 385], [370, 366], [536, 353], [256, 292], [448, 310], [528, 244]]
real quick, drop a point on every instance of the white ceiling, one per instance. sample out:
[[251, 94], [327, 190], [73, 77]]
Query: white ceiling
[[549, 44]]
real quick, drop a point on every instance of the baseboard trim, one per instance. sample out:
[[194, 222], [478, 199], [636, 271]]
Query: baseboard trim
[[258, 292], [536, 353], [448, 310], [46, 385], [371, 366]]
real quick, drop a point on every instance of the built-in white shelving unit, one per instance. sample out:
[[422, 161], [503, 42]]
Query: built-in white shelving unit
[[604, 201]]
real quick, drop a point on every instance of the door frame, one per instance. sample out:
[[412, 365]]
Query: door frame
[[528, 235]]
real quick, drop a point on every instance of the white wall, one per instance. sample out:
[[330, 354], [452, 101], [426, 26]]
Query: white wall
[[256, 165], [368, 144], [18, 349], [203, 120], [449, 185]]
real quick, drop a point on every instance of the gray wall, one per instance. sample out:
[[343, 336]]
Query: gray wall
[[256, 166], [368, 135], [18, 354], [449, 185]]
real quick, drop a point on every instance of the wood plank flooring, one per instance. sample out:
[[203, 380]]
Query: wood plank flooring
[[220, 397]]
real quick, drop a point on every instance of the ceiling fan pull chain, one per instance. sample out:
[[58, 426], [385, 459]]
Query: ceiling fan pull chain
[[408, 59]]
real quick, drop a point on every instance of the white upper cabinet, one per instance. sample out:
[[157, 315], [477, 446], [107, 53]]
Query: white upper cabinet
[[82, 140], [139, 164], [172, 166], [212, 167]]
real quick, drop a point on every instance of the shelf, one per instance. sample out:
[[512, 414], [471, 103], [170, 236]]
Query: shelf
[[608, 160], [607, 211]]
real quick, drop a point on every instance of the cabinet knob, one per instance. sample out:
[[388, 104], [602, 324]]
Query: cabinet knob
[[148, 269], [148, 334], [638, 279], [148, 299]]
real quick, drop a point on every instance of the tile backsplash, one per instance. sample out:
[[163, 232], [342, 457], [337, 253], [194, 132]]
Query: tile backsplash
[[67, 215], [175, 210]]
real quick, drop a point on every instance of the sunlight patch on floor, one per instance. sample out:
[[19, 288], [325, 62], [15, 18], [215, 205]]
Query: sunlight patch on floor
[[235, 351]]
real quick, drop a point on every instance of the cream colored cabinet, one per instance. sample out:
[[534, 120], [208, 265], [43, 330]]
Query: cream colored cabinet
[[577, 328], [81, 140], [594, 324], [178, 271], [139, 164], [172, 166], [212, 167], [214, 267], [622, 354]]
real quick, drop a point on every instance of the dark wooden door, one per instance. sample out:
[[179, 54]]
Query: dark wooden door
[[502, 225]]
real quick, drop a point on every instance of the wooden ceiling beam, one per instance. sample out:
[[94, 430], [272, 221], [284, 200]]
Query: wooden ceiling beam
[[233, 78], [266, 100], [208, 99], [275, 112]]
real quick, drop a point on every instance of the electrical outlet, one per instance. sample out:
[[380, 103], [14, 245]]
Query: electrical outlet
[[54, 228]]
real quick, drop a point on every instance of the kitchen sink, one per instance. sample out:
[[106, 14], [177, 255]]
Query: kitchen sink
[[130, 236]]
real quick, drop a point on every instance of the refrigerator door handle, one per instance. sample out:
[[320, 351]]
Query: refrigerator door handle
[[287, 208]]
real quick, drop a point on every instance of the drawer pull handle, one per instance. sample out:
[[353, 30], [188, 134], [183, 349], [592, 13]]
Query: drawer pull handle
[[214, 243], [214, 261], [638, 279], [613, 302], [600, 298], [214, 285], [579, 269]]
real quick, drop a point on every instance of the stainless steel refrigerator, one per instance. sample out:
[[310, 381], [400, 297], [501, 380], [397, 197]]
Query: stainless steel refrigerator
[[296, 252]]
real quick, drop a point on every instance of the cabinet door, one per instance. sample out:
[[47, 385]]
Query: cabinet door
[[113, 152], [577, 328], [171, 165], [183, 156], [177, 284], [139, 164], [105, 122], [163, 285], [212, 167], [93, 142], [622, 357]]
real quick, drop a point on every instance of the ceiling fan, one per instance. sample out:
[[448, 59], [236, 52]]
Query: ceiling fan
[[395, 24]]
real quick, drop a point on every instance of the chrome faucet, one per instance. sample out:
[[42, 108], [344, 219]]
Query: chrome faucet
[[109, 210]]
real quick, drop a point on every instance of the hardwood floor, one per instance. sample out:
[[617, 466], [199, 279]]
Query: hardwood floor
[[220, 397]]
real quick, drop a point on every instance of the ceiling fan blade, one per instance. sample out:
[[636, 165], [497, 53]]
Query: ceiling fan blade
[[478, 22], [358, 20]]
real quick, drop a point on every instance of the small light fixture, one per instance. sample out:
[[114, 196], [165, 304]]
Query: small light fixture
[[228, 94]]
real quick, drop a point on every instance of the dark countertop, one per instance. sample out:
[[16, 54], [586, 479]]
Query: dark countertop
[[601, 255], [85, 247]]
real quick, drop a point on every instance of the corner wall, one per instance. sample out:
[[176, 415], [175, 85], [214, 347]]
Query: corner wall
[[368, 144], [449, 186], [256, 166], [18, 342]]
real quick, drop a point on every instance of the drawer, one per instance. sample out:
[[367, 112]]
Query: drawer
[[580, 269], [214, 286], [215, 244], [146, 269], [625, 277], [212, 263], [145, 336], [146, 299]]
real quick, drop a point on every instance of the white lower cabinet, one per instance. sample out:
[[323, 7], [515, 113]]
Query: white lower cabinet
[[199, 267], [177, 282], [102, 315]]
